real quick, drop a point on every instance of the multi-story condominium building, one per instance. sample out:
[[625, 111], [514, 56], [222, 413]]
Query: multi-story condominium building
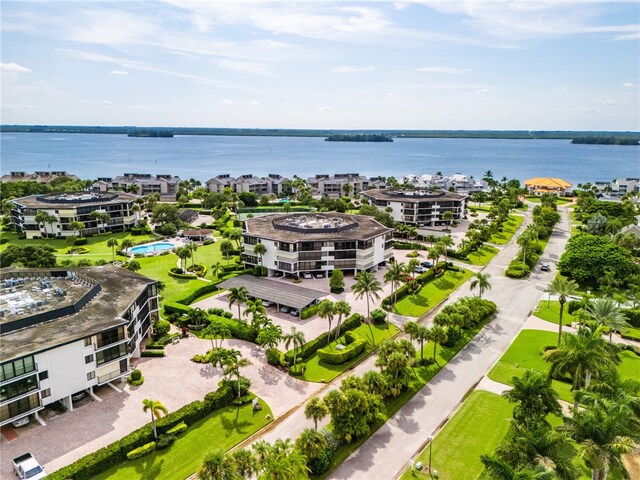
[[65, 208], [456, 182], [141, 184], [618, 187], [317, 243], [333, 185], [423, 208], [65, 331], [271, 184], [40, 177]]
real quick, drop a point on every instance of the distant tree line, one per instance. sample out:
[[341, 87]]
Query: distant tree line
[[151, 133], [359, 137], [593, 140]]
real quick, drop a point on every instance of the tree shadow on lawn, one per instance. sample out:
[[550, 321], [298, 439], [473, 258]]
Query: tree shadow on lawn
[[233, 424], [443, 284], [150, 467]]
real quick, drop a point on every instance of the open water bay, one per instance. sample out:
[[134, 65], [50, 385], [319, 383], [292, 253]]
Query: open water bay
[[93, 155]]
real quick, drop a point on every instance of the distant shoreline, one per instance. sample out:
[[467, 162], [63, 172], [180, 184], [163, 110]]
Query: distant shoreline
[[259, 132]]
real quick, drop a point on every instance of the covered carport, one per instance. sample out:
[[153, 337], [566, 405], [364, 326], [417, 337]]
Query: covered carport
[[280, 293]]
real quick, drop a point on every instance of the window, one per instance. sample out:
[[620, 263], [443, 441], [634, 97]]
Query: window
[[111, 353], [17, 368], [18, 388], [88, 358], [87, 342], [43, 375], [46, 393], [91, 375]]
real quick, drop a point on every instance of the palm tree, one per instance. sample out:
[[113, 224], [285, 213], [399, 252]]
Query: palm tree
[[254, 308], [238, 295], [113, 244], [135, 209], [582, 355], [342, 309], [438, 337], [446, 242], [244, 463], [296, 338], [269, 336], [42, 218], [260, 249], [217, 466], [76, 227], [226, 247], [395, 275], [418, 332], [563, 288], [126, 244], [101, 218], [480, 280], [326, 309], [312, 443], [368, 286], [535, 398], [525, 240], [157, 410], [500, 470], [191, 248], [231, 362], [217, 269], [183, 254], [605, 312], [316, 409]]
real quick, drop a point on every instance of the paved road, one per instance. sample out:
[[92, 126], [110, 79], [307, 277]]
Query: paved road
[[388, 450]]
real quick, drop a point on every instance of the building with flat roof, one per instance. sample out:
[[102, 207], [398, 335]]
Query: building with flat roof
[[65, 208], [40, 177], [334, 185], [271, 184], [423, 208], [67, 330], [317, 242], [457, 182], [543, 185]]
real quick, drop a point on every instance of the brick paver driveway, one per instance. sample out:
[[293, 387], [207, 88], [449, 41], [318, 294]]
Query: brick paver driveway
[[173, 380]]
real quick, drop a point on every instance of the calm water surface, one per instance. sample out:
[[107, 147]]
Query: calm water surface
[[202, 157]]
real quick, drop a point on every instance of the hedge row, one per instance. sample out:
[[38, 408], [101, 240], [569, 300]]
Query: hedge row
[[309, 348], [409, 246], [116, 453], [145, 449], [175, 272], [153, 353], [338, 357], [309, 311], [208, 288]]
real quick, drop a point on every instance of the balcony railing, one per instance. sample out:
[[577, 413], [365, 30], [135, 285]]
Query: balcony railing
[[102, 379]]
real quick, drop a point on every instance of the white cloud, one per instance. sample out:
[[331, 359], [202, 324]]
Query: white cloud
[[482, 90], [106, 103], [629, 36], [13, 68], [606, 101], [325, 108], [351, 69], [254, 102], [629, 85], [444, 70], [400, 5], [226, 101], [119, 72]]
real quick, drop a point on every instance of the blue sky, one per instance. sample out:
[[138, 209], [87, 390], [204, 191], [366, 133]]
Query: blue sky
[[540, 65]]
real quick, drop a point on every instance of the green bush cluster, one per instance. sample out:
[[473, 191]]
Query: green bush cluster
[[355, 346], [135, 378], [145, 449], [517, 269], [275, 357], [162, 328], [176, 272], [208, 288], [309, 348], [78, 250], [80, 241], [178, 429], [153, 353], [409, 246], [418, 282], [199, 270], [165, 441], [141, 230], [309, 311], [297, 369]]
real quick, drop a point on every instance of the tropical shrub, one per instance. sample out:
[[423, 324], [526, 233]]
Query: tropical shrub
[[179, 428], [165, 441], [275, 357], [378, 316], [309, 311], [145, 449], [152, 353], [135, 378], [161, 328], [80, 241], [517, 269], [338, 357], [297, 369]]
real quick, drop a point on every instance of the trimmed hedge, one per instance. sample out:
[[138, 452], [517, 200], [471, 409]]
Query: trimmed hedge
[[309, 311], [208, 288], [176, 272], [80, 241], [275, 357], [338, 357], [633, 316], [409, 246], [181, 427], [145, 449], [153, 353], [517, 269], [199, 270], [309, 348]]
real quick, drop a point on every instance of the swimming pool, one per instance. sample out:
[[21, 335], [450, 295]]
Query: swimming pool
[[152, 247]]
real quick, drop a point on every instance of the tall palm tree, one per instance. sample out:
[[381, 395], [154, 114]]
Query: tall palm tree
[[312, 443], [254, 308], [238, 295], [157, 410], [563, 288], [231, 362], [216, 465], [368, 286], [481, 281], [606, 312], [76, 227], [113, 244], [191, 248], [270, 336], [226, 247], [295, 337], [126, 244], [438, 337], [42, 218], [418, 332], [183, 254], [326, 309], [446, 242], [316, 409], [525, 240], [260, 249], [342, 309], [395, 275]]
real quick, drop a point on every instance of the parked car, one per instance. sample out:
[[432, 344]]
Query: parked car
[[26, 466], [266, 303], [295, 312], [420, 270], [78, 396], [545, 267], [277, 274], [319, 275], [426, 264], [285, 309], [307, 275], [21, 422]]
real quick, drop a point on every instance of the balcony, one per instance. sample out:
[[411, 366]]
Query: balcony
[[112, 376]]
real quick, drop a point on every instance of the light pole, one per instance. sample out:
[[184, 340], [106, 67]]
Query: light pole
[[430, 445]]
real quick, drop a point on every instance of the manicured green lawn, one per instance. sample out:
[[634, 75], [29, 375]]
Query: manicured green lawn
[[477, 428], [559, 200], [508, 229], [422, 376], [223, 429], [323, 372], [483, 255], [632, 333], [431, 294], [526, 352], [96, 244], [551, 313]]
